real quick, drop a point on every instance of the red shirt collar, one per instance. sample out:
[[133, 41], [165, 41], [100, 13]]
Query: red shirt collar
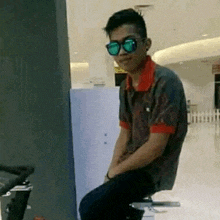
[[146, 78]]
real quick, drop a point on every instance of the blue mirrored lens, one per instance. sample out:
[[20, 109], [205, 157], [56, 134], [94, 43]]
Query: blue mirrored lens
[[113, 48], [129, 45]]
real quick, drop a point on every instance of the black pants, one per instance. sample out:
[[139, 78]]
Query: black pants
[[111, 200]]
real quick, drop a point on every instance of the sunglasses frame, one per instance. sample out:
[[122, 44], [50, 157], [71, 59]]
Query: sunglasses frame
[[122, 45]]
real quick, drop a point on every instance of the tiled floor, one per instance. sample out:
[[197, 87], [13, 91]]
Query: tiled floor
[[197, 186]]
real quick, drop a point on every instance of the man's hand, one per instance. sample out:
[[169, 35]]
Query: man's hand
[[113, 172], [124, 156], [143, 156]]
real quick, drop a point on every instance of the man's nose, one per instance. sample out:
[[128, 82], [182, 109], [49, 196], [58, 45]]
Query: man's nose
[[122, 51]]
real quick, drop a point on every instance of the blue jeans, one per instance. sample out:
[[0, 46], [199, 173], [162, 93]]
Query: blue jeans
[[111, 200]]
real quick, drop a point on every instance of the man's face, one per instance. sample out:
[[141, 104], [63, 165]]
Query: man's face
[[130, 62]]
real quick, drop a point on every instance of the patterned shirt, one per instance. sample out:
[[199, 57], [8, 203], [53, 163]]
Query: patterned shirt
[[157, 106]]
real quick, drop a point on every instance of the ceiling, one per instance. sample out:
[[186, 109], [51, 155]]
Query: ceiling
[[208, 49], [183, 26]]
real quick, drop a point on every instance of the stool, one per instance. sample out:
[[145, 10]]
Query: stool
[[150, 204]]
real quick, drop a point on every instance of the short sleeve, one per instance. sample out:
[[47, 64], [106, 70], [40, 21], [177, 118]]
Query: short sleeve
[[165, 111], [124, 112]]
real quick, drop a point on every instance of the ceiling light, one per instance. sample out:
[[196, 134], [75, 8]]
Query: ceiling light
[[205, 35], [142, 7], [79, 65]]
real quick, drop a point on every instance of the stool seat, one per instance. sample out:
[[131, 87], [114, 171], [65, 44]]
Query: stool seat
[[147, 199], [148, 202]]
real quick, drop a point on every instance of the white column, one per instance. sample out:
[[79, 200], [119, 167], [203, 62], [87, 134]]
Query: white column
[[90, 61], [101, 65]]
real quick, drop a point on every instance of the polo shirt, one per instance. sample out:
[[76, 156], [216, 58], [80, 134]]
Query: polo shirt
[[158, 105]]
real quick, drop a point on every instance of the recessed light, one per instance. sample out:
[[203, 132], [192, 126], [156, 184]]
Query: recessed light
[[205, 35], [142, 6]]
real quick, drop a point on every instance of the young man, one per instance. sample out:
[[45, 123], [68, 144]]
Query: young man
[[153, 120]]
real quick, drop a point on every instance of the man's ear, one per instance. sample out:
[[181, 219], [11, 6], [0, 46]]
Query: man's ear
[[148, 44]]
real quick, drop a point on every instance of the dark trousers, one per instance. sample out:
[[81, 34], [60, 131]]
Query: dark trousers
[[111, 200]]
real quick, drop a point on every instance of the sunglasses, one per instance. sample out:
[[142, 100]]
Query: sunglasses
[[128, 44]]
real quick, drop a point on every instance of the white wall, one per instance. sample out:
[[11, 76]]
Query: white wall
[[198, 82], [95, 127], [203, 96]]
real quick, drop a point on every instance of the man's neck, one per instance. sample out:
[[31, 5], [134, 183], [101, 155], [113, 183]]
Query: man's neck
[[136, 73], [135, 78]]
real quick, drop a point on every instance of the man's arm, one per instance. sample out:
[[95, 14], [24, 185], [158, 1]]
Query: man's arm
[[120, 147], [146, 154]]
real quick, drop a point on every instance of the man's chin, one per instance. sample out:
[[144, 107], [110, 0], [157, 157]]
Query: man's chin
[[128, 69]]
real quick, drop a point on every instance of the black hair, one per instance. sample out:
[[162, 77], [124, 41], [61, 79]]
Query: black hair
[[126, 16]]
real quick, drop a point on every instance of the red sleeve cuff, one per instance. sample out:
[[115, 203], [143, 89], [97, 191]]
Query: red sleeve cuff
[[162, 128], [124, 125]]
